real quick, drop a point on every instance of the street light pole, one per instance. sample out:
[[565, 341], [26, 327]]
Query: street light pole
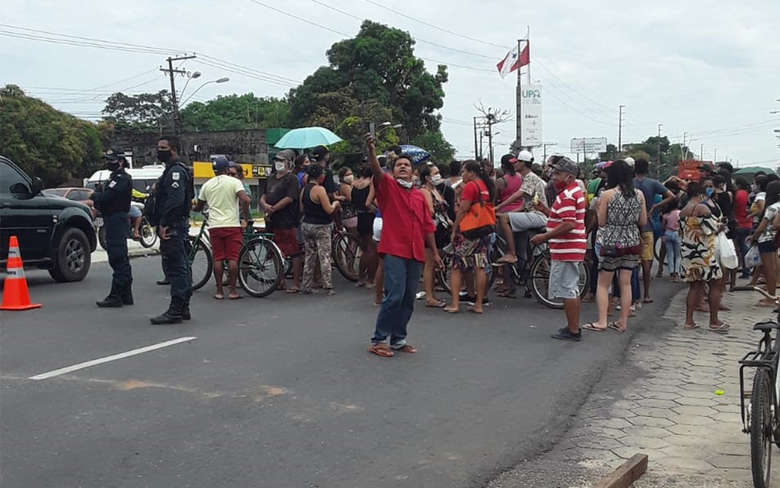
[[220, 80], [620, 128], [175, 104]]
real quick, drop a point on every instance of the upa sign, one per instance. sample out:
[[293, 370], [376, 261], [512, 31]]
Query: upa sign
[[589, 145], [531, 110]]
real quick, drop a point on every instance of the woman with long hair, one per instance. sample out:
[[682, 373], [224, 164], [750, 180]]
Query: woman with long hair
[[317, 228], [362, 196], [470, 254], [699, 265], [621, 213], [429, 178]]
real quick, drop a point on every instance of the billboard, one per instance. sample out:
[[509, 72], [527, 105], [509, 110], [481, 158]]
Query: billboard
[[531, 110], [589, 145]]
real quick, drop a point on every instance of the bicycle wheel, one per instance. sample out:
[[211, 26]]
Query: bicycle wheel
[[259, 267], [201, 261], [540, 281], [657, 246], [442, 275], [761, 428], [346, 253]]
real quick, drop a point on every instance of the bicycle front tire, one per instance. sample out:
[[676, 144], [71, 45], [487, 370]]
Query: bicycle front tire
[[761, 429], [200, 260], [260, 268], [346, 253]]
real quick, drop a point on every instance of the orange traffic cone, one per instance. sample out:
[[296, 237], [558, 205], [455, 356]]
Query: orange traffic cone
[[15, 294]]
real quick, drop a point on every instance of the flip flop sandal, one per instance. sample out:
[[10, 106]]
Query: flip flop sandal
[[406, 348], [616, 327], [219, 297], [292, 290], [381, 350], [450, 310], [592, 327], [473, 310], [436, 304], [237, 297], [691, 327], [721, 328], [647, 300]]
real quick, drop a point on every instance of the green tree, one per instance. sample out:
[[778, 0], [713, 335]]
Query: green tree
[[142, 112], [433, 142], [45, 142], [373, 77], [235, 112]]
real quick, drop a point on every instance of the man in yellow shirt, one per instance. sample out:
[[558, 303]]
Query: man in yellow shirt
[[223, 194]]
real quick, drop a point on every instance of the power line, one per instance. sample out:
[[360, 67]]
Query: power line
[[434, 25]]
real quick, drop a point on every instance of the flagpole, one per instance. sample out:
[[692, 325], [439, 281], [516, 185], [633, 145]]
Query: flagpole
[[528, 38], [519, 95]]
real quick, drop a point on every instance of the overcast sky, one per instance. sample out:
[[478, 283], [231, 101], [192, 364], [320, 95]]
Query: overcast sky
[[708, 68]]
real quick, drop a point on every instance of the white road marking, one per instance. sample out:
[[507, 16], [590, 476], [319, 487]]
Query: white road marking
[[113, 357]]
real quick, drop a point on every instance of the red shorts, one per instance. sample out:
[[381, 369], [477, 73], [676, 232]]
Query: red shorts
[[287, 240], [225, 243]]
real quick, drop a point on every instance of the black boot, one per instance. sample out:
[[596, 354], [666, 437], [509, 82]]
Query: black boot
[[185, 312], [171, 316], [113, 300], [163, 282], [127, 296]]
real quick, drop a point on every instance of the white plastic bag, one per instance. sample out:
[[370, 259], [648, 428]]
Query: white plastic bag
[[753, 257], [726, 251]]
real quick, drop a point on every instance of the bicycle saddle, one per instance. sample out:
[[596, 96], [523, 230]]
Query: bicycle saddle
[[765, 326]]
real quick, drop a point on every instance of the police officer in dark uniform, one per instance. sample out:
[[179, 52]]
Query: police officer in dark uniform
[[113, 201], [173, 197]]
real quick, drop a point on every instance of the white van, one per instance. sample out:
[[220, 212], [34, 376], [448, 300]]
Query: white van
[[143, 178]]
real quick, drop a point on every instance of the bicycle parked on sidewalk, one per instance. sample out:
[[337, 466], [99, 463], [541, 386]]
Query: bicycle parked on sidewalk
[[759, 407]]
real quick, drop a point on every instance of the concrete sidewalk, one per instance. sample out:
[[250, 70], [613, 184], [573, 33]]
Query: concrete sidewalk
[[661, 401]]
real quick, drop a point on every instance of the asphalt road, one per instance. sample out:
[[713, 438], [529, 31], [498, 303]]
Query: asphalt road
[[281, 392]]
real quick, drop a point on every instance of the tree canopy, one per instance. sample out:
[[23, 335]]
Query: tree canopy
[[373, 77], [141, 112], [235, 112], [46, 143]]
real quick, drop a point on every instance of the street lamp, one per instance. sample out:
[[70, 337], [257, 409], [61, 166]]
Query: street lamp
[[190, 76], [220, 80]]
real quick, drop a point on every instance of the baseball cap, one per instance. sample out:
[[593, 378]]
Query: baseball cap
[[319, 152], [566, 165], [525, 155], [220, 164], [508, 159], [285, 154], [629, 161]]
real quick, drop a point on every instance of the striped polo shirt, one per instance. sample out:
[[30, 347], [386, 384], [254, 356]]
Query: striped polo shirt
[[569, 206]]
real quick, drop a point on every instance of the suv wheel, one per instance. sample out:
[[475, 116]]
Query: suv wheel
[[72, 256]]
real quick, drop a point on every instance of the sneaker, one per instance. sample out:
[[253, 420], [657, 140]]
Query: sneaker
[[563, 334]]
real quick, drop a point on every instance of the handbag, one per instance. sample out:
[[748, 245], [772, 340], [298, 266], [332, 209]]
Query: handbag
[[726, 251], [480, 220]]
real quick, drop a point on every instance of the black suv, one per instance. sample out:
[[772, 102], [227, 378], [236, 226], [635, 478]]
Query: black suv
[[54, 233]]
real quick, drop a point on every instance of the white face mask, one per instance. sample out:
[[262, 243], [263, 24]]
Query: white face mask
[[349, 179], [405, 184], [280, 165], [436, 179]]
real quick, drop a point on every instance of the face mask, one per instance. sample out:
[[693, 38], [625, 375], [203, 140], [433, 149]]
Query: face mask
[[709, 191], [280, 165], [754, 188], [560, 185], [436, 179], [112, 166], [405, 184], [349, 179], [164, 155]]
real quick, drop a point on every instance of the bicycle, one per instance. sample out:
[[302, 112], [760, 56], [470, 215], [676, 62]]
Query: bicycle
[[534, 273], [261, 265], [760, 415], [199, 256], [346, 253]]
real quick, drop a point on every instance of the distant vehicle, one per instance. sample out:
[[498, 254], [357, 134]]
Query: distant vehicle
[[54, 233], [143, 178], [689, 169], [81, 195]]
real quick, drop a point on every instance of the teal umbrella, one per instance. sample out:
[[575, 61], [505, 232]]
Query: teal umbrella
[[751, 170], [307, 137]]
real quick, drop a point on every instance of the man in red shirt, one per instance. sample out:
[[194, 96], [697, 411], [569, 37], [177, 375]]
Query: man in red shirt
[[407, 227], [566, 235]]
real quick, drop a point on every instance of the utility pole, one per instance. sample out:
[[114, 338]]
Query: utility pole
[[620, 128], [519, 96], [476, 151], [490, 121], [715, 156], [701, 152], [174, 102], [544, 146], [684, 147]]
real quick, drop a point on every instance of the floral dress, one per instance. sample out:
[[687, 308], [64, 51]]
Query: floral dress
[[698, 260]]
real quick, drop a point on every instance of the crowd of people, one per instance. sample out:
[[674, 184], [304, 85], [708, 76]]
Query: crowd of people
[[405, 216]]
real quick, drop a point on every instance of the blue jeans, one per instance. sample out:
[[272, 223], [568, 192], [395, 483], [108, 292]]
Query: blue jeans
[[635, 293], [673, 251], [174, 262], [400, 285], [117, 231]]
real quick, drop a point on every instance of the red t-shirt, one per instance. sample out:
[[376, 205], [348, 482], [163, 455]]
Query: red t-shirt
[[569, 206], [470, 194], [406, 220], [741, 210]]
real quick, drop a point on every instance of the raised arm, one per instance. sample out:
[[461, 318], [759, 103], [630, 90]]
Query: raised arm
[[376, 169]]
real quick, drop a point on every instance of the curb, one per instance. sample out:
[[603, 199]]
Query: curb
[[626, 474]]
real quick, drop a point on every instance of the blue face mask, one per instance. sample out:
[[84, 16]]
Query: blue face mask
[[709, 191]]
